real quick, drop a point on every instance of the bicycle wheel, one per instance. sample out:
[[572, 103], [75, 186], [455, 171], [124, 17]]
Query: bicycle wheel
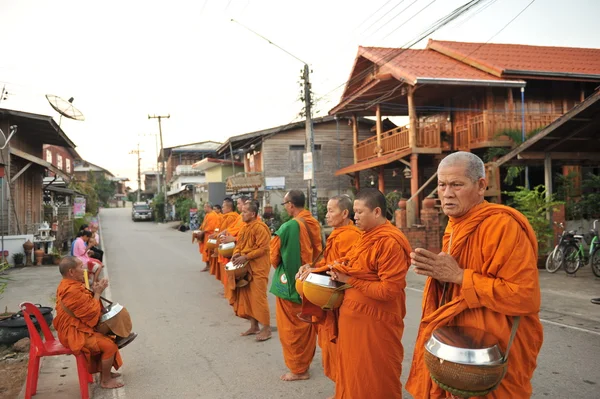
[[571, 262], [595, 262], [554, 260]]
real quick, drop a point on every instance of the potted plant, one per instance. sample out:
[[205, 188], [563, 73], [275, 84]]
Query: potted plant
[[18, 258], [56, 255]]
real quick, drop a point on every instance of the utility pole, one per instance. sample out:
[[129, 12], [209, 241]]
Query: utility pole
[[137, 152], [310, 137], [162, 156], [310, 143], [157, 166]]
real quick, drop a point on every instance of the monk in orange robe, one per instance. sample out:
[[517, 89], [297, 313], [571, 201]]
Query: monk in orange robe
[[229, 219], [77, 313], [250, 301], [297, 242], [345, 235], [210, 222], [485, 277], [371, 318]]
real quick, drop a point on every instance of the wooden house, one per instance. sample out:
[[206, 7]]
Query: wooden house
[[24, 166], [273, 158], [458, 96]]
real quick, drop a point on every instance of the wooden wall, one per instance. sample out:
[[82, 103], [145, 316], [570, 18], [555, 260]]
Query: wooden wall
[[277, 160]]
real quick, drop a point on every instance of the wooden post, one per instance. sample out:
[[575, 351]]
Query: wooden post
[[379, 128], [357, 181], [414, 181], [381, 179], [412, 116], [355, 137], [582, 92], [511, 101]]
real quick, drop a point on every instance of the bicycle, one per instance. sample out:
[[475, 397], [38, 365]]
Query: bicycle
[[555, 257], [575, 256]]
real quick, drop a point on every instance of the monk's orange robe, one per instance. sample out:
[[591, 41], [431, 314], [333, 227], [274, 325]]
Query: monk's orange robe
[[209, 224], [77, 333], [371, 318], [251, 301], [229, 220], [339, 242], [298, 338], [213, 262], [497, 248]]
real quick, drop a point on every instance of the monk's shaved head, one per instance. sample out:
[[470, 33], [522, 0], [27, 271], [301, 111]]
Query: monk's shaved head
[[67, 263], [344, 202], [372, 198], [474, 167], [252, 206], [228, 205], [296, 198]]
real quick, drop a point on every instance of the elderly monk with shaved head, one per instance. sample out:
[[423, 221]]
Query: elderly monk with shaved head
[[77, 313], [485, 277], [343, 237], [371, 318], [296, 243]]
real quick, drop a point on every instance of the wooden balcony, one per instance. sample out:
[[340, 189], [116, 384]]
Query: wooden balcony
[[394, 140], [485, 129]]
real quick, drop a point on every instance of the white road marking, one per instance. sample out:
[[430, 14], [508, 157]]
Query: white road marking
[[554, 323]]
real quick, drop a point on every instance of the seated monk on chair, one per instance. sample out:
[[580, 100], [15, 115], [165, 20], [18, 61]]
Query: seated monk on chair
[[77, 313]]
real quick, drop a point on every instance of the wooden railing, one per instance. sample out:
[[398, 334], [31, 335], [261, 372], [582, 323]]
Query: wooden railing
[[485, 129], [428, 136]]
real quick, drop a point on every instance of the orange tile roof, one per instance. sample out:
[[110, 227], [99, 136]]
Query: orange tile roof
[[412, 65], [506, 60]]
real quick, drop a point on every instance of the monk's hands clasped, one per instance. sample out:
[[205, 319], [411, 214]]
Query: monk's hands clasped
[[99, 286], [441, 267]]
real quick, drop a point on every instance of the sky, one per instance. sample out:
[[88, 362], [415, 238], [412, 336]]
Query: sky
[[123, 60]]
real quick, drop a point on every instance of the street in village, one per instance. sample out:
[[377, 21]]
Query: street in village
[[189, 344]]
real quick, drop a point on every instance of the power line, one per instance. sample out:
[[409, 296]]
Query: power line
[[380, 18], [401, 25], [389, 55], [373, 14], [393, 18]]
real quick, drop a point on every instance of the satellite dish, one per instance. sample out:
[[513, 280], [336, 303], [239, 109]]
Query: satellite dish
[[65, 108]]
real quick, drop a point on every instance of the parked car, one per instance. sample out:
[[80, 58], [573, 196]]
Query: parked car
[[141, 211]]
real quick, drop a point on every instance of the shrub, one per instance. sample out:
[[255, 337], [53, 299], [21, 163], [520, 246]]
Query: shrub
[[533, 204]]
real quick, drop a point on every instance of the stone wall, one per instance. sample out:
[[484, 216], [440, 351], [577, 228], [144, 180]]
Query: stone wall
[[426, 235]]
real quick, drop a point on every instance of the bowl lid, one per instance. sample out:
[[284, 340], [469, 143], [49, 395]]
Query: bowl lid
[[322, 280], [464, 345], [229, 245], [212, 240], [113, 310]]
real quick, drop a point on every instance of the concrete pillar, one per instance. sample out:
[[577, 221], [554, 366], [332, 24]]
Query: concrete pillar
[[412, 115], [379, 127]]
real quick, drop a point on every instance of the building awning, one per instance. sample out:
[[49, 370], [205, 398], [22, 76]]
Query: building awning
[[245, 180], [372, 163], [208, 163], [41, 162]]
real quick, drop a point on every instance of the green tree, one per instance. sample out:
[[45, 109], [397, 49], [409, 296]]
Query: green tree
[[105, 188], [158, 207], [182, 208], [91, 197], [533, 204]]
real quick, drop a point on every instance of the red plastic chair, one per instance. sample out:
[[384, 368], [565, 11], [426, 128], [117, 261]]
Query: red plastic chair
[[49, 347]]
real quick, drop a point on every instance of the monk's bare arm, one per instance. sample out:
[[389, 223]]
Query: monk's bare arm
[[392, 265], [275, 256], [509, 257], [261, 244]]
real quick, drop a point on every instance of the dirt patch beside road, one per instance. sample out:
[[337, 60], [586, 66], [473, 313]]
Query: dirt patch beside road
[[13, 372]]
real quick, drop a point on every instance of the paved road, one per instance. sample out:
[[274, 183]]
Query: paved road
[[189, 344]]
